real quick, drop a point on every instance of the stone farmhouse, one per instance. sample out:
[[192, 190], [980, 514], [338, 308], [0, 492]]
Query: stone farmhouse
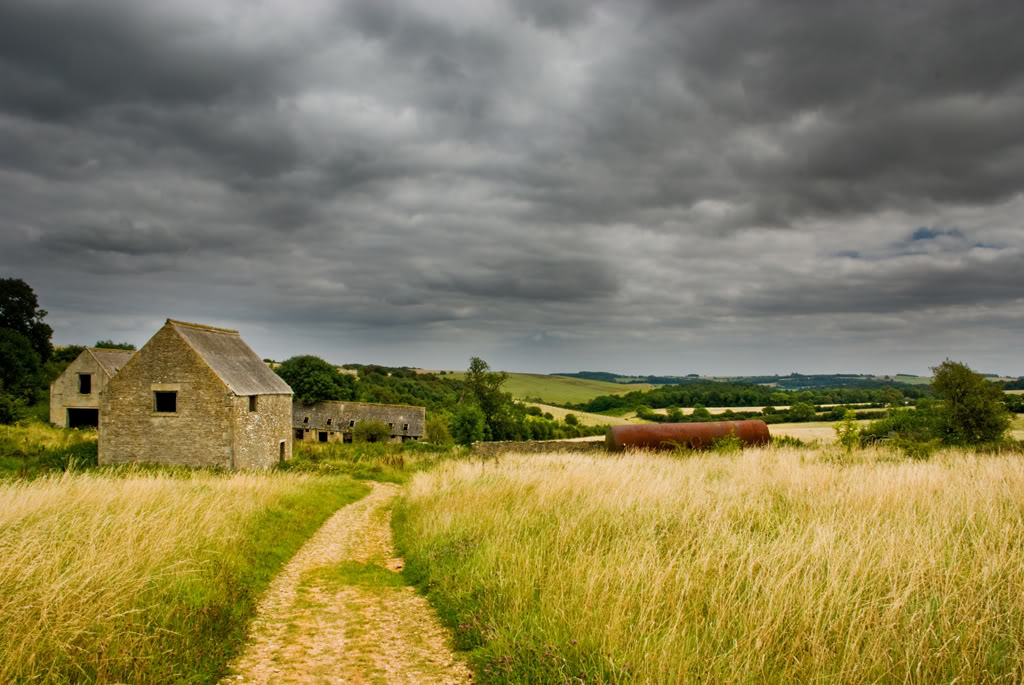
[[335, 421], [196, 396], [75, 394]]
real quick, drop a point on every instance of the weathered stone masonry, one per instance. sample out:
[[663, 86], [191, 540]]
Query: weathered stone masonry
[[229, 409], [99, 365]]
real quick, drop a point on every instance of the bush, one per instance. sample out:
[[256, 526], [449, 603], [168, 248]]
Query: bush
[[847, 431], [727, 444], [11, 408], [571, 420], [371, 431]]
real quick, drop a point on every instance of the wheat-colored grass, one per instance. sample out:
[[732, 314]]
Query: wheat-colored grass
[[780, 565], [91, 564]]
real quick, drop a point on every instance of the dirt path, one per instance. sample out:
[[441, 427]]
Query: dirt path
[[339, 612]]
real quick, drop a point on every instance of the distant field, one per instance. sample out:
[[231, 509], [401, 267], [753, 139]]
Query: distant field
[[560, 389], [811, 430], [1014, 392], [585, 418]]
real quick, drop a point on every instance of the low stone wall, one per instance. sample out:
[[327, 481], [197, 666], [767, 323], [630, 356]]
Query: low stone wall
[[491, 449]]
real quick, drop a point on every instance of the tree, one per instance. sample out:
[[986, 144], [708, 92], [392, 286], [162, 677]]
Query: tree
[[802, 411], [700, 412], [20, 312], [371, 431], [975, 409], [503, 417], [437, 431], [111, 345], [314, 380], [571, 420], [674, 414], [19, 366], [468, 425]]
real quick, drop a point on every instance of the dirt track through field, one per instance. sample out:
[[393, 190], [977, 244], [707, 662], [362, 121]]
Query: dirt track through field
[[339, 612]]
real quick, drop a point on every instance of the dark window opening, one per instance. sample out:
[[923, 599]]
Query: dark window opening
[[81, 418], [252, 402], [405, 427], [322, 435], [305, 420], [165, 402], [298, 434], [352, 423], [328, 422], [391, 425], [85, 383], [346, 437], [280, 451]]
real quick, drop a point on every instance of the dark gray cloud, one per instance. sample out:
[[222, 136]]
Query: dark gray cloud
[[731, 186]]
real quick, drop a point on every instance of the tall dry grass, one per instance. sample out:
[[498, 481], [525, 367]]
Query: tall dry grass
[[780, 565], [142, 577]]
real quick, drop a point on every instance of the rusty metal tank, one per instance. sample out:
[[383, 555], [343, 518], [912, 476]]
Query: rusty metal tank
[[693, 435]]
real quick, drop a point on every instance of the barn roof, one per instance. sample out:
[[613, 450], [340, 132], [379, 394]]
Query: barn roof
[[231, 359], [111, 359], [341, 413]]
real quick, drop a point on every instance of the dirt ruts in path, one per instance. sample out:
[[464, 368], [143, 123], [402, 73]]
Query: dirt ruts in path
[[339, 613]]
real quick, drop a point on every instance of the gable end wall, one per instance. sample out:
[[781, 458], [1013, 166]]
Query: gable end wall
[[64, 389], [199, 434]]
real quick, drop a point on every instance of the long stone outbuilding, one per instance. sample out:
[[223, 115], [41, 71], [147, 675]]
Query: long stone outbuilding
[[196, 395], [336, 421], [75, 393]]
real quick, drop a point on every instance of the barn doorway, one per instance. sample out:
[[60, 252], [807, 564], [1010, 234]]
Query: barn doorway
[[83, 418], [323, 436], [280, 452]]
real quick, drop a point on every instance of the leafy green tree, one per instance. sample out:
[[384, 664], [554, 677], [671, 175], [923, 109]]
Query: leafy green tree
[[571, 420], [468, 425], [111, 345], [503, 417], [437, 431], [700, 412], [11, 408], [20, 312], [371, 431], [976, 412], [314, 380], [674, 414], [802, 411], [19, 366]]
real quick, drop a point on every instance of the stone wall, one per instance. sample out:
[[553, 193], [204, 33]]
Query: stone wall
[[258, 435], [199, 433], [64, 390]]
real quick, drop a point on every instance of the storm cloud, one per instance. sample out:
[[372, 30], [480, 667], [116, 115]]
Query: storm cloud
[[655, 187]]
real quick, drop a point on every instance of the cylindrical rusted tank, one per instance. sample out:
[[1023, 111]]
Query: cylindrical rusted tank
[[693, 435]]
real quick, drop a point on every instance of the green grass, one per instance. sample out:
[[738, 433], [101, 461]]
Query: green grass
[[29, 449], [382, 462], [774, 565], [369, 575], [559, 389], [145, 576]]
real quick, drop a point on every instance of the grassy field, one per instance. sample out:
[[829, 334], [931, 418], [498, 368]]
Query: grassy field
[[560, 389], [144, 575], [586, 418], [778, 565], [1014, 392]]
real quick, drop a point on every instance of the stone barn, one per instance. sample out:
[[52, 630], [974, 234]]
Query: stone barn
[[75, 394], [196, 396], [335, 421]]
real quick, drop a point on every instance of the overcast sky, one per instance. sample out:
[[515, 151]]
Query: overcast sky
[[667, 187]]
